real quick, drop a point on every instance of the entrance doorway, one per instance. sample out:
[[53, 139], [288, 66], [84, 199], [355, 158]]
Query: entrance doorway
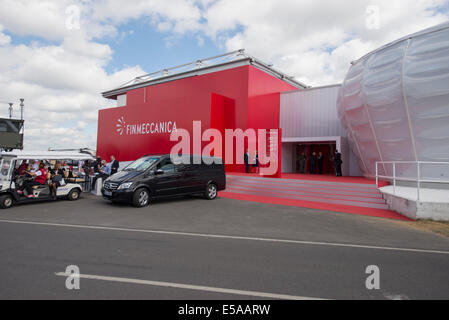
[[308, 148]]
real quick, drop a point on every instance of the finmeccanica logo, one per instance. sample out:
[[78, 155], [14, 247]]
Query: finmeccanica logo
[[266, 142], [144, 128], [121, 124]]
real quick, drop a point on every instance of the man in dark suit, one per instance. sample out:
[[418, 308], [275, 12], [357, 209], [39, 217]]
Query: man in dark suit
[[114, 165], [97, 171], [96, 165], [313, 163], [338, 163], [320, 162], [246, 160]]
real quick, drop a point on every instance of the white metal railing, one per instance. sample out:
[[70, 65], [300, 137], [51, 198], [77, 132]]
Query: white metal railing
[[418, 179]]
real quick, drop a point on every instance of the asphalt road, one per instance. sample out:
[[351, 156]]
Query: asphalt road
[[190, 248]]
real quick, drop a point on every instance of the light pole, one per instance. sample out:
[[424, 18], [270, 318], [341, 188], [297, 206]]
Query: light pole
[[10, 110], [21, 108]]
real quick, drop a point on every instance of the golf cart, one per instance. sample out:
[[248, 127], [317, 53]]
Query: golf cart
[[10, 181]]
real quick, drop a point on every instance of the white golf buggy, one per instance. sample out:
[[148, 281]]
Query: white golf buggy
[[74, 182]]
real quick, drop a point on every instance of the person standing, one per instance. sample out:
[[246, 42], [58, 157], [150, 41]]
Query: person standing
[[313, 163], [97, 165], [302, 162], [246, 160], [86, 170], [103, 173], [256, 162], [114, 165], [97, 171], [338, 163], [320, 162]]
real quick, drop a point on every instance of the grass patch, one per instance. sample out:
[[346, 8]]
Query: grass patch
[[441, 228]]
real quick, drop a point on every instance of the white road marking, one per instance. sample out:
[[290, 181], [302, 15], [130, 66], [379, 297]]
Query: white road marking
[[217, 236], [392, 296], [189, 287]]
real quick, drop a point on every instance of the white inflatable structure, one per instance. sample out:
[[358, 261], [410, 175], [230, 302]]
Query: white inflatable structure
[[394, 103]]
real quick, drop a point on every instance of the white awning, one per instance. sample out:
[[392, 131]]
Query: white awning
[[48, 155]]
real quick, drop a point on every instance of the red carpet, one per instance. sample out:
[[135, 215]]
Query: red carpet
[[316, 205], [292, 189]]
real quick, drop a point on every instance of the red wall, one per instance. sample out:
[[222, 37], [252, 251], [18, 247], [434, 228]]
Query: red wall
[[243, 97], [182, 101], [264, 104], [222, 116], [264, 99]]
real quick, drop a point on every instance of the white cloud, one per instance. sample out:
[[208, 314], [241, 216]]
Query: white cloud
[[179, 16], [4, 39], [53, 20], [312, 40], [61, 85], [42, 18]]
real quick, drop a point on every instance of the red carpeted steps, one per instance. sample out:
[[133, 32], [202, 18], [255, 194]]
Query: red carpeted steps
[[360, 197]]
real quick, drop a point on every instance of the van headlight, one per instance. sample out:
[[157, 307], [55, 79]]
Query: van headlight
[[126, 185]]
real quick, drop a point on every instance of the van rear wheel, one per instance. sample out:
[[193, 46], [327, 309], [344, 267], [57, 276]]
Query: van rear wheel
[[141, 198], [211, 191], [6, 201]]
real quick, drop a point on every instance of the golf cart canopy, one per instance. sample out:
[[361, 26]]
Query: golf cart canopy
[[48, 155]]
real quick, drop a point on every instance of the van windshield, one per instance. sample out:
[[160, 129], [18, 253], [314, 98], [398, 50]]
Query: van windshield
[[141, 164]]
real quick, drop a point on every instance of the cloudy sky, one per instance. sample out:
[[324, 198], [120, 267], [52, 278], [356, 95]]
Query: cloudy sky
[[60, 55]]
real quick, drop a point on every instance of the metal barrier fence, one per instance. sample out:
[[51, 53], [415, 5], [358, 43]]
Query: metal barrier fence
[[396, 174]]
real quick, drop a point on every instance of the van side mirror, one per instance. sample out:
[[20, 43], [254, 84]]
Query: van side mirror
[[159, 172]]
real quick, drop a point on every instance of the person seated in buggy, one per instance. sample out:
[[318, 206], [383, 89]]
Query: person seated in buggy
[[56, 179], [24, 166], [40, 178]]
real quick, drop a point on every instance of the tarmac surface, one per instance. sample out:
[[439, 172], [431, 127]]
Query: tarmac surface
[[191, 248]]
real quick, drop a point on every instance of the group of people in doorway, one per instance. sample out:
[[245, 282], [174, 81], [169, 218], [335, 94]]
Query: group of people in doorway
[[316, 163]]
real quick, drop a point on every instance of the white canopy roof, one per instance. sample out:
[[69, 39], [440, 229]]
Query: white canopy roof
[[199, 67], [49, 155]]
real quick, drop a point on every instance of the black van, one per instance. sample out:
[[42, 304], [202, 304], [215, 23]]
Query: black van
[[156, 176]]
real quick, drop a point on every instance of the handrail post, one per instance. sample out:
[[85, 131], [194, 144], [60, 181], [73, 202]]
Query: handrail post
[[377, 176], [418, 181], [394, 178]]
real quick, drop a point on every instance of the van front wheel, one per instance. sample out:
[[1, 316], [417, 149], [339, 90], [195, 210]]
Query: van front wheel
[[211, 191], [141, 198]]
